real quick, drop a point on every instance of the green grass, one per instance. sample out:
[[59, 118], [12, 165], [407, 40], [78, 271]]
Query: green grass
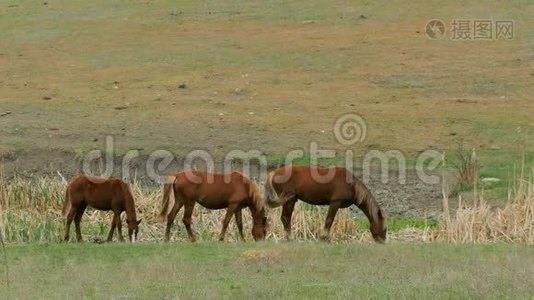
[[503, 164], [23, 227], [268, 270], [461, 188], [397, 224], [31, 228]]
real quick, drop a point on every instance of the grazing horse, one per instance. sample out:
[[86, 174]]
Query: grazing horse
[[233, 191], [336, 187], [101, 194]]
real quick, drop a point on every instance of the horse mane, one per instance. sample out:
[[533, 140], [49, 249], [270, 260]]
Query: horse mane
[[255, 194], [254, 191], [367, 203], [129, 203]]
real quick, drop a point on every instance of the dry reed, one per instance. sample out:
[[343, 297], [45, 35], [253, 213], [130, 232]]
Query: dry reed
[[30, 211], [481, 223]]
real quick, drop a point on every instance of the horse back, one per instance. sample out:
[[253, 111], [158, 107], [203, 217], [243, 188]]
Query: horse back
[[212, 190], [99, 193], [315, 185]]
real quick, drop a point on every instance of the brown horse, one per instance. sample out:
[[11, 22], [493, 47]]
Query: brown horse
[[101, 194], [336, 187], [232, 191]]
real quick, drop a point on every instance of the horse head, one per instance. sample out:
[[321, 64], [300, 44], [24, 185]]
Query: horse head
[[379, 228], [133, 229], [260, 225]]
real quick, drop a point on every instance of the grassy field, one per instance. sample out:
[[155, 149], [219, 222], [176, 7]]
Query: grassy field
[[39, 266], [268, 270], [296, 65], [272, 76]]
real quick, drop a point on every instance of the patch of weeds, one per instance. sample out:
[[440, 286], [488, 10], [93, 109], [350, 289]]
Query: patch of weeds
[[397, 224], [461, 188]]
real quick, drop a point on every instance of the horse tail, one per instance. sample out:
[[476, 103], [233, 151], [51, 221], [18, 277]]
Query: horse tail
[[67, 204], [271, 196], [165, 205]]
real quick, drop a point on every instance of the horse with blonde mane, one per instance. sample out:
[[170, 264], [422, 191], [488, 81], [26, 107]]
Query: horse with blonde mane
[[100, 194], [336, 187], [233, 191]]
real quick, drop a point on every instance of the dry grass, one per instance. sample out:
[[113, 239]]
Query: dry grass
[[30, 211], [481, 223], [467, 166]]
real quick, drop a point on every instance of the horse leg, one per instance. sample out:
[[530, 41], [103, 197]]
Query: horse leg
[[188, 212], [77, 221], [119, 226], [287, 212], [229, 214], [112, 229], [239, 222], [70, 216], [332, 211], [170, 219]]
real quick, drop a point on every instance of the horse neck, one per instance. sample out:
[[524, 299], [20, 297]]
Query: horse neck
[[255, 196], [367, 202], [258, 207], [129, 205], [130, 211], [372, 210]]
